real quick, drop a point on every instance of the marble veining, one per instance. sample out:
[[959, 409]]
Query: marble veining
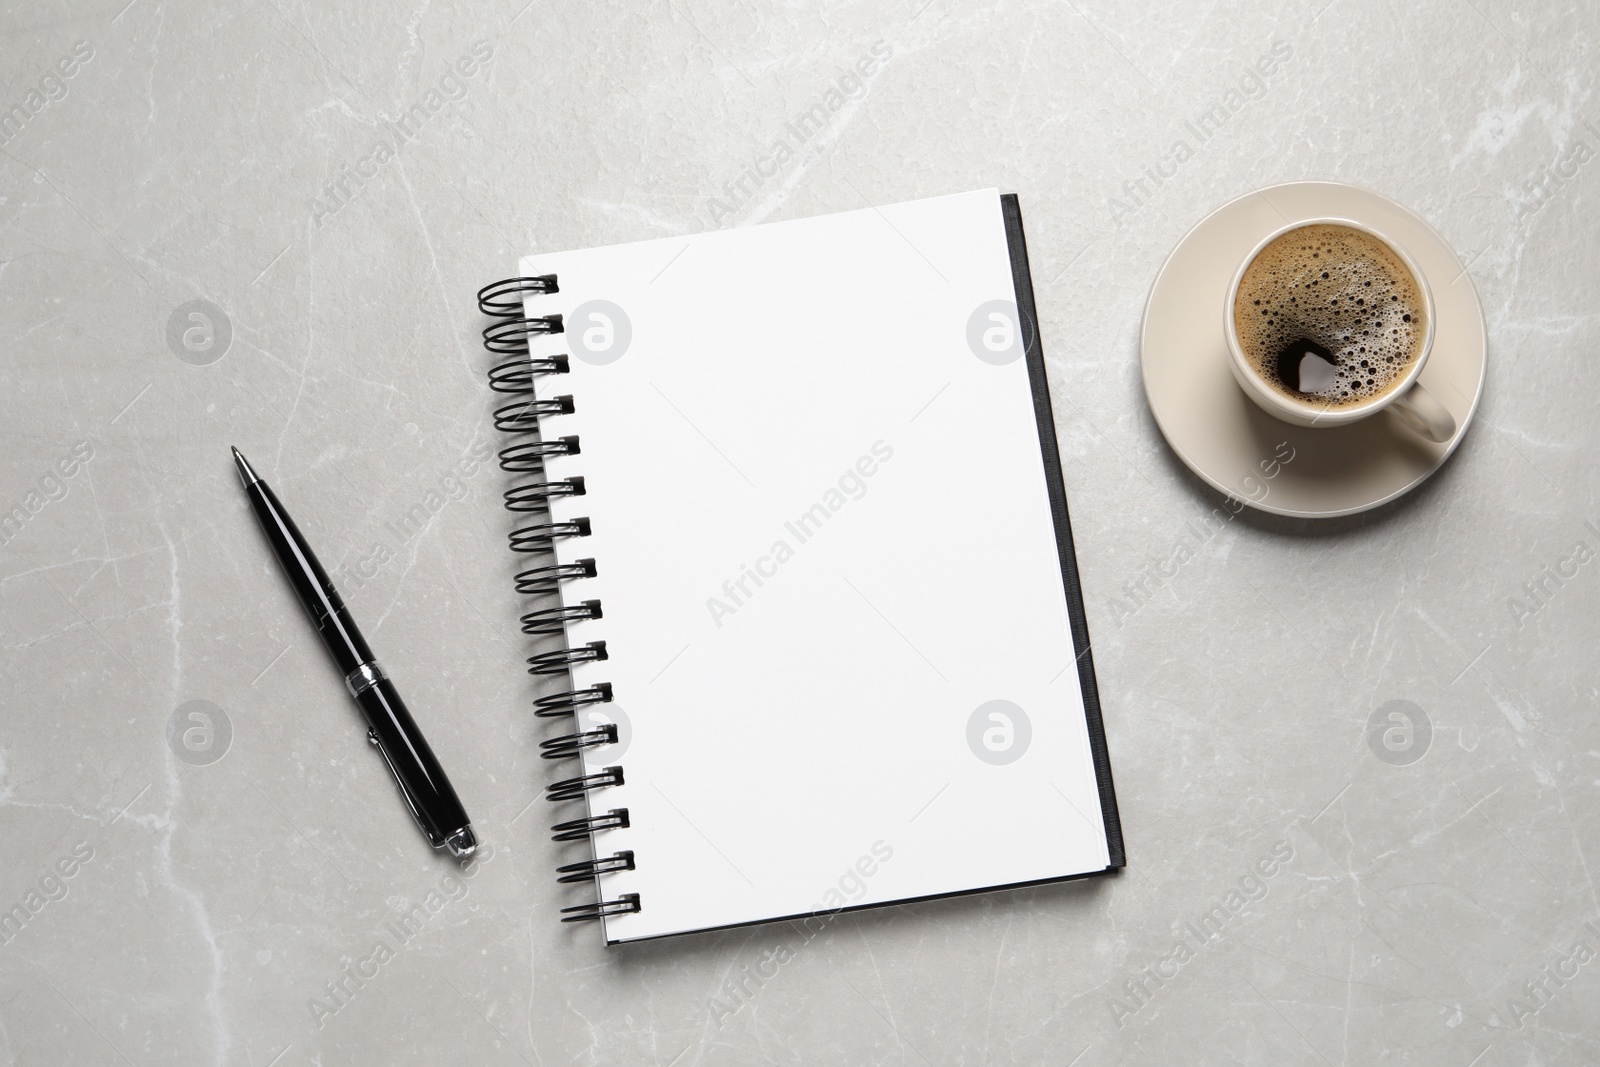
[[1358, 762]]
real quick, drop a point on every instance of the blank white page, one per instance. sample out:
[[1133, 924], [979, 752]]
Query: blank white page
[[824, 539]]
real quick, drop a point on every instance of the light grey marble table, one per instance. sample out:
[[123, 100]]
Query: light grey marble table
[[208, 882]]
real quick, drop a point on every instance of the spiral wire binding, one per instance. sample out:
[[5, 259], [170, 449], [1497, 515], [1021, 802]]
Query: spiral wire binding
[[567, 745], [554, 620], [575, 788], [580, 829], [524, 416], [563, 659], [542, 535], [555, 704], [503, 300], [586, 912], [516, 376], [546, 579], [508, 336], [536, 496], [529, 456], [582, 872]]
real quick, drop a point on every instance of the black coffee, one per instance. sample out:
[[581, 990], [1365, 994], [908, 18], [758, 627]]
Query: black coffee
[[1328, 314]]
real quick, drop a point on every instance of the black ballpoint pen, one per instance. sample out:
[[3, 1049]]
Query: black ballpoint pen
[[423, 785]]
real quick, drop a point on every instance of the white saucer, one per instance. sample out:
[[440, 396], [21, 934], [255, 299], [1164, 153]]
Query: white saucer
[[1230, 442]]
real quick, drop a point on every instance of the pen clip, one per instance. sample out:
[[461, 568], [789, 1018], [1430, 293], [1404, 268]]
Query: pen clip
[[434, 838]]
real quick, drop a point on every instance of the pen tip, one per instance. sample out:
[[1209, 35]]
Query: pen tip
[[245, 472]]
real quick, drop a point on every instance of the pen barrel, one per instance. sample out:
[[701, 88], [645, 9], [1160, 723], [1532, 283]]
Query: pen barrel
[[312, 586], [433, 799]]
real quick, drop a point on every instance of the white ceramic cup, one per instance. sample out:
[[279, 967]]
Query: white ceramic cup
[[1416, 408]]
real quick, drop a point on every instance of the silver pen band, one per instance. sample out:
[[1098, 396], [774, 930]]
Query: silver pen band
[[364, 677]]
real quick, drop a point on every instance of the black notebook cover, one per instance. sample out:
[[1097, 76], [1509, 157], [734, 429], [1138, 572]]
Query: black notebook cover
[[1022, 278]]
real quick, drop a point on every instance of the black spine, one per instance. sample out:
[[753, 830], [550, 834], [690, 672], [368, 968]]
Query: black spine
[[1022, 282], [508, 335]]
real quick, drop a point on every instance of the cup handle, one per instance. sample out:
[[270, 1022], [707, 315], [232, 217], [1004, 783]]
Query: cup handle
[[1420, 412]]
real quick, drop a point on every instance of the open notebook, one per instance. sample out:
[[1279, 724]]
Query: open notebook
[[797, 541]]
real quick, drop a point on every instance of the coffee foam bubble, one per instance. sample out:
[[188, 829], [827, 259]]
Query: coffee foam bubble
[[1345, 292]]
